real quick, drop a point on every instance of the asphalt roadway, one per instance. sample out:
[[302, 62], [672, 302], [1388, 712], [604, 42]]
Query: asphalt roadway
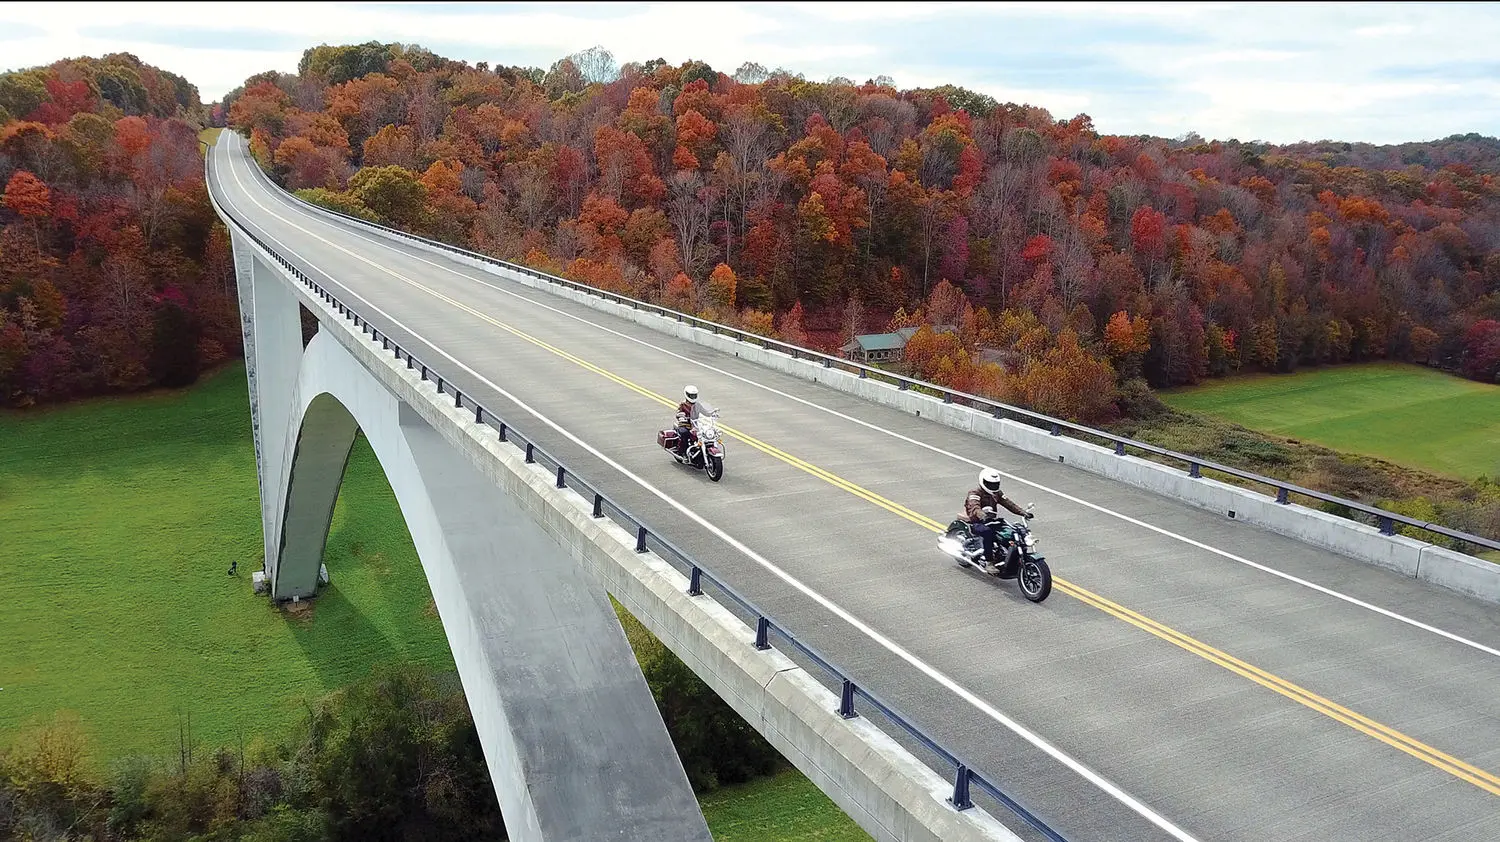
[[1169, 688]]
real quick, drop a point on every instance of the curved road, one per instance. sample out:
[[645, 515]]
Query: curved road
[[1190, 678]]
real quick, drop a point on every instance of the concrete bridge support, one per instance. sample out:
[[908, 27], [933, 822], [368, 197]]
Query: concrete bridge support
[[575, 745]]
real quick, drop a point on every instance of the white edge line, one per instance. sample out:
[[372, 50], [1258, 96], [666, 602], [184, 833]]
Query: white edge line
[[928, 670], [353, 229]]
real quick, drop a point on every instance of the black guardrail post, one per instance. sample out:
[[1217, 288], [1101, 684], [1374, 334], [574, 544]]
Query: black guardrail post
[[961, 800], [762, 632]]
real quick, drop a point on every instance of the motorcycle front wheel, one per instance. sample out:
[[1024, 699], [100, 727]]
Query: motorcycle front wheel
[[716, 468], [1035, 580]]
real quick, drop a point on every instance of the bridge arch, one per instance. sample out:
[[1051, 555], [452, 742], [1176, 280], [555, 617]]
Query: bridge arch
[[574, 743], [314, 474]]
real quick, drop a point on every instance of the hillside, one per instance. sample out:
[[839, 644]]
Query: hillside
[[811, 210], [114, 273], [822, 209]]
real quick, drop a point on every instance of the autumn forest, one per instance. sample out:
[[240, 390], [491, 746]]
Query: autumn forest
[[1044, 263]]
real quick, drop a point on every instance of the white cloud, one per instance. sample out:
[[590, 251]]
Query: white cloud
[[1280, 72], [1383, 30], [865, 11]]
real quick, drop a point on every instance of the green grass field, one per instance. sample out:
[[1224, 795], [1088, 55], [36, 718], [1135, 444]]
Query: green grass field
[[1405, 414], [120, 518], [209, 136], [786, 808]]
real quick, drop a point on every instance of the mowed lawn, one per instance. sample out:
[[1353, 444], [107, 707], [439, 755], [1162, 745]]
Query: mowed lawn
[[1404, 414], [785, 808], [120, 519], [209, 136], [118, 522]]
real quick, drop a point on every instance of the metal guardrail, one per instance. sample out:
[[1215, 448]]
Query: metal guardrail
[[647, 540], [1385, 520]]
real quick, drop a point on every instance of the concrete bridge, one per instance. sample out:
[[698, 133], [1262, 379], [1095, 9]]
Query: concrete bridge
[[1215, 664]]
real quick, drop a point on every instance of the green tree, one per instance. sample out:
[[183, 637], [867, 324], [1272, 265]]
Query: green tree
[[22, 91], [394, 193], [336, 201], [397, 755]]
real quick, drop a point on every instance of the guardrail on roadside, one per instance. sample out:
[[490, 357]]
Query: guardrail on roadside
[[648, 540], [1386, 521]]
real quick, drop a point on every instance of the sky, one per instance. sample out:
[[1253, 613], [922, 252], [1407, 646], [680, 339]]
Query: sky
[[1279, 73]]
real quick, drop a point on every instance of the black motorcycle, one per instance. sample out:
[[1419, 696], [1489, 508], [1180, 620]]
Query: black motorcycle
[[1017, 546]]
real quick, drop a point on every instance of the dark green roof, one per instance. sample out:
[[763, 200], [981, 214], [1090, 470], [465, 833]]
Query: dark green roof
[[880, 342]]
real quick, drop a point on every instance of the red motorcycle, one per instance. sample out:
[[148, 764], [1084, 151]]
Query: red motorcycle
[[705, 450]]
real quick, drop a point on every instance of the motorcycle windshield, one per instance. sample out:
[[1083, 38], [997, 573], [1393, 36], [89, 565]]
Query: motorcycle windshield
[[705, 408]]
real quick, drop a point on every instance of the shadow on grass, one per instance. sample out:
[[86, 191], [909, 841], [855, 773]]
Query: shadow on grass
[[375, 608], [322, 627]]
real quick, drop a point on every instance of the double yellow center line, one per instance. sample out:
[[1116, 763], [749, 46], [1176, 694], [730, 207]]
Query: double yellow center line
[[1391, 737]]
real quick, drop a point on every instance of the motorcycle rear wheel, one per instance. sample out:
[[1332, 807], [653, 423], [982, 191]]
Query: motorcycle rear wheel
[[1035, 579]]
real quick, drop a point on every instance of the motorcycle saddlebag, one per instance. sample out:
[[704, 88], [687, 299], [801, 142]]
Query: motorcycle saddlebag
[[667, 439]]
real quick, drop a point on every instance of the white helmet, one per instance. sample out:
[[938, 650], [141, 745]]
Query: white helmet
[[989, 480], [691, 393]]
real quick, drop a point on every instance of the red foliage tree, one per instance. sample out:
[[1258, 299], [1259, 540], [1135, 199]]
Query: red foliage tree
[[1482, 351], [793, 326], [1148, 232]]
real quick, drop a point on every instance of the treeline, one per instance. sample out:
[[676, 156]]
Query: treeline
[[808, 210], [115, 274], [393, 757], [817, 210]]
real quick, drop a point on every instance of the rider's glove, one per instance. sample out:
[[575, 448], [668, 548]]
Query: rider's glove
[[988, 512], [1030, 515]]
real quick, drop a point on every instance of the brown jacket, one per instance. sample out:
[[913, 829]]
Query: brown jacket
[[979, 499]]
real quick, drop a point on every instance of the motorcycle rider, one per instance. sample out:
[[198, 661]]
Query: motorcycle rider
[[687, 412], [980, 504]]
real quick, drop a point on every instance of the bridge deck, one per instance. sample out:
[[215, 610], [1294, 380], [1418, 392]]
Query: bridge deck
[[1233, 703]]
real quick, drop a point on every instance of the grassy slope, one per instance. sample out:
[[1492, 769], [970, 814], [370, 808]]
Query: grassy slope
[[1402, 413], [120, 518], [787, 808], [209, 136]]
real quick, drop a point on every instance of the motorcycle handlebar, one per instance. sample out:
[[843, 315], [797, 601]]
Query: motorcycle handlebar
[[1021, 520]]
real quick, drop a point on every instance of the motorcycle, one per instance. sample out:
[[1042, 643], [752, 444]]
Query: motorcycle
[[706, 449], [1019, 547]]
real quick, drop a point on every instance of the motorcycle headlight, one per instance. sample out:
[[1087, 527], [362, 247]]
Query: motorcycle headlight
[[1031, 542]]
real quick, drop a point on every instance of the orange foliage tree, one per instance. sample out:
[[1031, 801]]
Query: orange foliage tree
[[721, 284], [29, 197], [1069, 383]]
